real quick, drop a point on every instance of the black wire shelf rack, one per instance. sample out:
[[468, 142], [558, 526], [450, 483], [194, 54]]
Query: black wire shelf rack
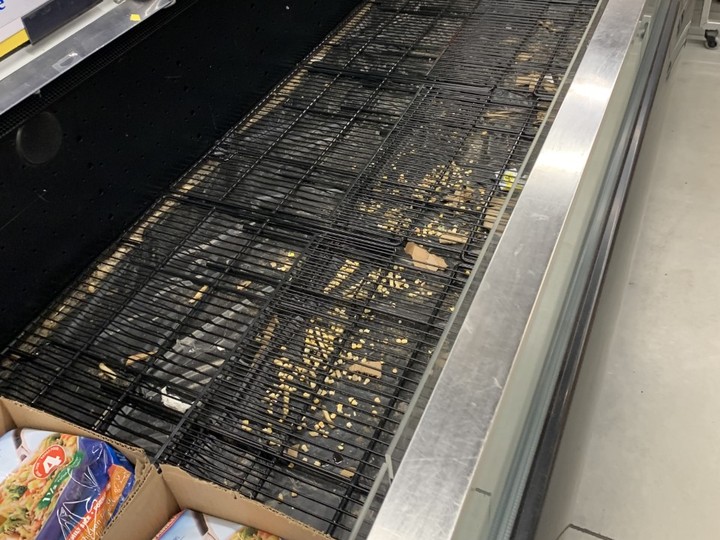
[[267, 322]]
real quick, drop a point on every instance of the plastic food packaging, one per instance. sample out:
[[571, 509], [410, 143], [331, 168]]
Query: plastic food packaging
[[192, 525], [55, 486], [508, 179]]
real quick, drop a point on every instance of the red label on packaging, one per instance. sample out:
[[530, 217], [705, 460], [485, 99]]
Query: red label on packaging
[[49, 461]]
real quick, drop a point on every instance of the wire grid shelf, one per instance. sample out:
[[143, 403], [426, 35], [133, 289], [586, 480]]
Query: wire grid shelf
[[267, 322]]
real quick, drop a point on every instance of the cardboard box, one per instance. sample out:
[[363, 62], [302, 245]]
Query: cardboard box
[[17, 415], [164, 494]]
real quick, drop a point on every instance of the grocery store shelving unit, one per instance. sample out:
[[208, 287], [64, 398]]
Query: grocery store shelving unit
[[211, 331]]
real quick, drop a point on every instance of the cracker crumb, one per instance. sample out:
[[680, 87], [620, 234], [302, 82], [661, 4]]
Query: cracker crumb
[[347, 473], [372, 368], [198, 295]]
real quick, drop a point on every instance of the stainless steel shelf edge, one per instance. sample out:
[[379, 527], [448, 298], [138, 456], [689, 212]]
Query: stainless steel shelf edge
[[26, 71], [427, 494], [593, 265]]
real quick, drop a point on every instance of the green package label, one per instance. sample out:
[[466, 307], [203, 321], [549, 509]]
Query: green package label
[[59, 480]]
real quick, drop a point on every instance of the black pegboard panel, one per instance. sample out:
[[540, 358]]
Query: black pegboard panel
[[131, 128]]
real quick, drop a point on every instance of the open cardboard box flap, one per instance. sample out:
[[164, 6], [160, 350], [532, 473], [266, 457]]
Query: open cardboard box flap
[[164, 494], [157, 497], [17, 415]]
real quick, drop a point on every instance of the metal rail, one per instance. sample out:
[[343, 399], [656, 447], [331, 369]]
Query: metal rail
[[436, 475], [598, 249]]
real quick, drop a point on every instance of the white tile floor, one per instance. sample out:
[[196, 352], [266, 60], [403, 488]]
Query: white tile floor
[[641, 455]]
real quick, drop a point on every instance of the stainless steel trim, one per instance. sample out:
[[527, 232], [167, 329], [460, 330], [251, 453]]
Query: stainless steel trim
[[550, 406], [26, 71], [427, 495]]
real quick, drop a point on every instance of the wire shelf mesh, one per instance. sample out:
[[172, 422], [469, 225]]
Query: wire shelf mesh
[[267, 322]]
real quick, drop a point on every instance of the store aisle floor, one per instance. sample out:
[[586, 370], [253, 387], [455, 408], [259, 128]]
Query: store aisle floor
[[640, 458]]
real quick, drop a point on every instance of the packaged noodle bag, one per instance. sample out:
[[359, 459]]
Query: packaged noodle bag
[[59, 487], [192, 525]]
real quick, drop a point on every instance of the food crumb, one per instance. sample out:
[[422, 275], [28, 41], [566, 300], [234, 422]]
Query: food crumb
[[347, 473], [199, 294], [138, 357], [107, 372]]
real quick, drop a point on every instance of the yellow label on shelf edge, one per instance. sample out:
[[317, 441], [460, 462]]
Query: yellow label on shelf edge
[[508, 179], [13, 42]]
